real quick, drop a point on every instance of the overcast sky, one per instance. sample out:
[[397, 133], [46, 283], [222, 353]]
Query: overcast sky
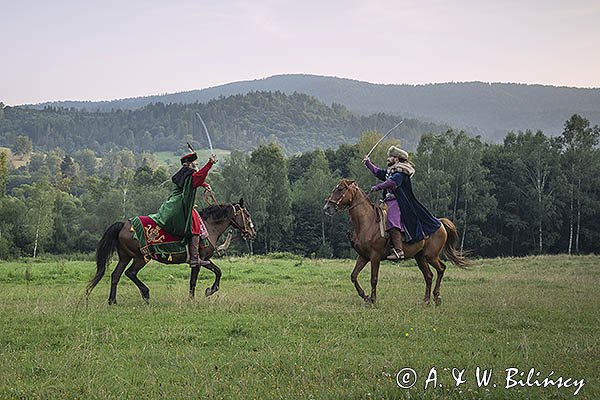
[[97, 50]]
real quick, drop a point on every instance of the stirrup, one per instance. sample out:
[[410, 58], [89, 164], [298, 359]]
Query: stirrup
[[398, 255]]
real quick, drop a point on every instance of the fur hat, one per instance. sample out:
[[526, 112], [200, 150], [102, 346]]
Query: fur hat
[[397, 152]]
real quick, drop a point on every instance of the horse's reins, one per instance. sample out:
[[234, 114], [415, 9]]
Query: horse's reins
[[212, 194], [236, 211], [244, 230], [350, 207], [215, 202]]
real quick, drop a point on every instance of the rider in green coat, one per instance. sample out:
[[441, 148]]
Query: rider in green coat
[[177, 214]]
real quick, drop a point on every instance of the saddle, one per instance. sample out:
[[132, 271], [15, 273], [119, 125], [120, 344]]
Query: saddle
[[381, 218], [156, 243]]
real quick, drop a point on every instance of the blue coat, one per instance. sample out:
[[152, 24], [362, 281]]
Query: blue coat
[[416, 219]]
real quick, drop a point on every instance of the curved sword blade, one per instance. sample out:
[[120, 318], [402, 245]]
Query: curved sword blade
[[384, 136], [206, 131]]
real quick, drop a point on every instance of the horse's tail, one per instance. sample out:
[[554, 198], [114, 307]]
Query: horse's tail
[[449, 251], [105, 249]]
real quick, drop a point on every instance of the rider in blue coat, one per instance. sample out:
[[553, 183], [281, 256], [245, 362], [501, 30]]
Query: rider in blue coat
[[405, 213]]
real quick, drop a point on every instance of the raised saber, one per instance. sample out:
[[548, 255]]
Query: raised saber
[[207, 135], [384, 136]]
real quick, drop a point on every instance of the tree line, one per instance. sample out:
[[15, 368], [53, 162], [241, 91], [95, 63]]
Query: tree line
[[531, 194], [297, 122], [491, 109]]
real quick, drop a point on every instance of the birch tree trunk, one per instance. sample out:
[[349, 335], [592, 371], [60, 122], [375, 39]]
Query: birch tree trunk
[[541, 213], [578, 214], [124, 202], [323, 229], [455, 202], [571, 218], [37, 235], [464, 230]]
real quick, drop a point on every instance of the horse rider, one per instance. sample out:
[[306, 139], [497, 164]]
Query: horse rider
[[416, 222], [177, 214]]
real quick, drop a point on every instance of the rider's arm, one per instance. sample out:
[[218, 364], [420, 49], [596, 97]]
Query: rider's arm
[[375, 170], [199, 176], [388, 184], [372, 167]]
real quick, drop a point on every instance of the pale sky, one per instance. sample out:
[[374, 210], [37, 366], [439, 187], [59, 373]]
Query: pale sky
[[101, 50]]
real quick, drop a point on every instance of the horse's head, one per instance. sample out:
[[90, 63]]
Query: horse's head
[[341, 196], [242, 221]]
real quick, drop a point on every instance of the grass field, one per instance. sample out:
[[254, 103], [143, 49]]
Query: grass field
[[295, 329]]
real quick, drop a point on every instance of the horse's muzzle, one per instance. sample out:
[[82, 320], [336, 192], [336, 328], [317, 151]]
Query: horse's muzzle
[[329, 209]]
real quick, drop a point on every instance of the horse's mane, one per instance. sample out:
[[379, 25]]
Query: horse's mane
[[348, 182], [364, 193], [215, 212]]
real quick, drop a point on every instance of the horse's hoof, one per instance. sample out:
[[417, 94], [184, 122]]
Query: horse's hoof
[[426, 302], [111, 302], [147, 300], [438, 301], [210, 291]]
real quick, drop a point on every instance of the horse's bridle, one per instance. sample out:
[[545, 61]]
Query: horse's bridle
[[245, 229], [337, 203]]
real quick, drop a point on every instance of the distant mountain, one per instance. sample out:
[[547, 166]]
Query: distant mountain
[[297, 122], [489, 109]]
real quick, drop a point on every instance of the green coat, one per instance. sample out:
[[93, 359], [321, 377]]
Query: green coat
[[175, 214]]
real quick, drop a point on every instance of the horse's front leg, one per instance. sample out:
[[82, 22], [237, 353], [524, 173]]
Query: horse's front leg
[[374, 277], [215, 286], [193, 279], [360, 264]]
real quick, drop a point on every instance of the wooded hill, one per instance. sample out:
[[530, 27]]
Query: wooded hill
[[297, 122], [490, 110]]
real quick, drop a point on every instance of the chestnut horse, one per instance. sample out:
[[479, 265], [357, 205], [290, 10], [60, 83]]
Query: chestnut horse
[[119, 237], [370, 246]]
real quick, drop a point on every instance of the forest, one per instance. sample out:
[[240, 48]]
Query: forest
[[530, 194], [490, 109], [297, 122]]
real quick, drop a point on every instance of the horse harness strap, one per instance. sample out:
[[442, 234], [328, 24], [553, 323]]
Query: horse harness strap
[[337, 203], [381, 217], [236, 211], [206, 199]]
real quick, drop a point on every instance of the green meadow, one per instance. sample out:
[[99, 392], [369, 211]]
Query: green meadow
[[293, 328], [168, 157]]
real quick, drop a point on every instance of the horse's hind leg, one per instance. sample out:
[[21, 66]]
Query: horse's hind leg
[[132, 272], [440, 267], [360, 264], [427, 275], [215, 286], [124, 259]]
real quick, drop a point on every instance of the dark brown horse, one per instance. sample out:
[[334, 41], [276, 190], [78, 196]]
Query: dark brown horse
[[119, 237], [370, 246]]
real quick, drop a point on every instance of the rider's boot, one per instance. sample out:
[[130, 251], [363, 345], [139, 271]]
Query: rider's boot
[[397, 250], [195, 259]]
